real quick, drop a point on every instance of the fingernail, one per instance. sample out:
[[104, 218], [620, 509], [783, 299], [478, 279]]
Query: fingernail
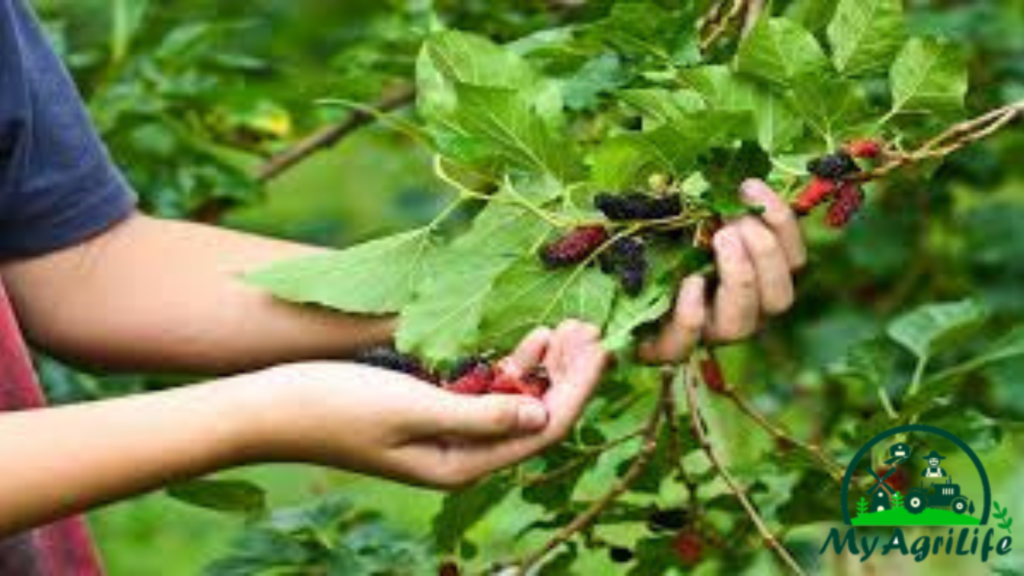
[[693, 291], [725, 241], [532, 416], [752, 189]]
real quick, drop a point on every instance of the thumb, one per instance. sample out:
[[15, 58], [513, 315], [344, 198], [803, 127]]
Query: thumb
[[493, 415]]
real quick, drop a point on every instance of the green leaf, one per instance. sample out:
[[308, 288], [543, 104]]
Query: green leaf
[[778, 50], [462, 510], [510, 128], [777, 123], [676, 144], [234, 496], [661, 105], [442, 322], [619, 163], [928, 77], [600, 75], [865, 35], [933, 328], [645, 31], [377, 277], [833, 108], [527, 295], [631, 313]]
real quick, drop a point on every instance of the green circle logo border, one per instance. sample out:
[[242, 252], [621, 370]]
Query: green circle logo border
[[914, 428]]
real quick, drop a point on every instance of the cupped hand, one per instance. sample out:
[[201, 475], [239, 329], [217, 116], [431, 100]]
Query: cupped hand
[[392, 425], [755, 257]]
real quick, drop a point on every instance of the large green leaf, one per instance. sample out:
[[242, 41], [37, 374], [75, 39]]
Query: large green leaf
[[777, 123], [462, 510], [676, 144], [643, 30], [377, 277], [865, 35], [527, 295], [779, 50], [443, 320], [832, 108], [928, 77], [933, 328], [630, 313]]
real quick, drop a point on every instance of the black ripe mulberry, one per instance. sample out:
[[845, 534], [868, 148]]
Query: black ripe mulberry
[[620, 554], [627, 258], [391, 359], [833, 166], [574, 247], [847, 202], [638, 206]]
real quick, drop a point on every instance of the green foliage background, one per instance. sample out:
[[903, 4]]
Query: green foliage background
[[191, 94]]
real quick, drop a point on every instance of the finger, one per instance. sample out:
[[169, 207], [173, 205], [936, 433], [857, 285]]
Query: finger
[[736, 307], [529, 353], [780, 218], [681, 334], [775, 284], [489, 416]]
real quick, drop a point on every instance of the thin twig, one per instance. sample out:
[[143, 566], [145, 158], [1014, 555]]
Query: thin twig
[[586, 454], [951, 140], [328, 136], [698, 426], [675, 455], [720, 26], [835, 469], [650, 444]]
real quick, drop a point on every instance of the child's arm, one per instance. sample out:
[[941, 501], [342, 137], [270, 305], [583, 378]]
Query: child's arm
[[63, 460]]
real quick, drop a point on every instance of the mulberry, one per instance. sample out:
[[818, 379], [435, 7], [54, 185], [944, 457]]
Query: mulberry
[[817, 191], [466, 365], [638, 206], [847, 202], [711, 371], [533, 384], [391, 359], [627, 258], [574, 247], [620, 554], [689, 547], [476, 381], [833, 166], [864, 148], [670, 519]]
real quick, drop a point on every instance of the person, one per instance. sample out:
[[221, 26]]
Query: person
[[934, 470], [94, 281]]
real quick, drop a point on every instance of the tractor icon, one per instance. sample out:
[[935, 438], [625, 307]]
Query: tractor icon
[[943, 495]]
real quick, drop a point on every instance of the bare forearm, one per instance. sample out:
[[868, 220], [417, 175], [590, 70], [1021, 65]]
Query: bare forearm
[[162, 295], [58, 461]]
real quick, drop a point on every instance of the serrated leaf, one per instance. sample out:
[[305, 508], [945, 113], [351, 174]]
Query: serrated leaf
[[661, 105], [631, 313], [833, 108], [933, 328], [377, 277], [647, 31], [865, 35], [777, 123], [443, 320], [618, 164], [234, 496], [779, 50], [527, 295], [928, 77], [600, 75], [676, 145], [463, 509]]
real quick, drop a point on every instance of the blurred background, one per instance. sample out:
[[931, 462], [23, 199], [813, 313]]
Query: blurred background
[[193, 96]]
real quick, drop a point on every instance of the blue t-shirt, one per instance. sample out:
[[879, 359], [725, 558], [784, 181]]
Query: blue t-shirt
[[58, 186]]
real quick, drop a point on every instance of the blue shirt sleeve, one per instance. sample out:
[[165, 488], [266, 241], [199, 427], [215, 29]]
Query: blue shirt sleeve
[[58, 185]]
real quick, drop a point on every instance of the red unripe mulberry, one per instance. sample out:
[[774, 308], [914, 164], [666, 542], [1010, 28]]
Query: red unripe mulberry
[[574, 247], [865, 148], [847, 202], [817, 191], [532, 384], [689, 547], [711, 371], [474, 382]]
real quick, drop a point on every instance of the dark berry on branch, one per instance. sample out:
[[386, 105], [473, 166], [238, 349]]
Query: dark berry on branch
[[689, 547], [817, 191], [449, 568], [864, 148], [620, 555], [633, 278], [670, 519], [391, 359], [833, 166], [574, 247], [638, 206], [847, 202], [627, 257]]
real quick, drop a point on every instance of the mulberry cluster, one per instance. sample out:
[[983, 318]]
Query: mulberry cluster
[[832, 182], [480, 377], [627, 259], [574, 247], [638, 206]]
